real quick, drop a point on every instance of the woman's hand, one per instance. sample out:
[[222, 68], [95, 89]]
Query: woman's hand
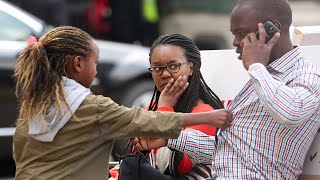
[[172, 92]]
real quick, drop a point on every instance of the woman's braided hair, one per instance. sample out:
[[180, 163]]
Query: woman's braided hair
[[40, 68], [197, 89]]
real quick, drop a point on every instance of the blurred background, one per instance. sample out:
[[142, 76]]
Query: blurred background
[[141, 21], [124, 29]]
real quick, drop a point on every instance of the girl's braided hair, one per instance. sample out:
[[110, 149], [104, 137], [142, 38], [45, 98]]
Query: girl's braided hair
[[40, 68], [197, 89]]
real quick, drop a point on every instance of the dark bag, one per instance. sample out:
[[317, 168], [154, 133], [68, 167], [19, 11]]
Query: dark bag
[[137, 167]]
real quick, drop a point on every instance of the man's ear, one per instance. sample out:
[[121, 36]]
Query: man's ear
[[277, 23]]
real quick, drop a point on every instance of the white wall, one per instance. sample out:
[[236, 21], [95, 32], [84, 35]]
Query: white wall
[[225, 74]]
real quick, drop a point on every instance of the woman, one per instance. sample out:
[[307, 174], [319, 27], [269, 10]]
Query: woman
[[172, 56]]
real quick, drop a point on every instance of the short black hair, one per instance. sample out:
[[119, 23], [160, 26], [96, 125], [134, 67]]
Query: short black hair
[[265, 10]]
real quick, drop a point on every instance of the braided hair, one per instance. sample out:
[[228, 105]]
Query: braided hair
[[40, 68], [198, 88]]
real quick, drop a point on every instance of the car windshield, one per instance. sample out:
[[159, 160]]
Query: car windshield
[[12, 29], [19, 25]]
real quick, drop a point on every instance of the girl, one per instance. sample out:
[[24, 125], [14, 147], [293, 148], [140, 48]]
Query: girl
[[63, 130]]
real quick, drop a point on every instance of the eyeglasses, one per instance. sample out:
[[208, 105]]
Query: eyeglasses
[[171, 68]]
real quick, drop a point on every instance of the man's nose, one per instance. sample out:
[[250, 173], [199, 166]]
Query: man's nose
[[236, 42]]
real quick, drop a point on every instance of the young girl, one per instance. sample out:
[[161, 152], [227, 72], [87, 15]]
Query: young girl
[[171, 56], [63, 130]]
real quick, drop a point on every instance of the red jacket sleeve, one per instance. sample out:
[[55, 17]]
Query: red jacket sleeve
[[210, 130]]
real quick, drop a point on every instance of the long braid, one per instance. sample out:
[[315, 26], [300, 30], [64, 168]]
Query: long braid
[[154, 100], [197, 88], [40, 68]]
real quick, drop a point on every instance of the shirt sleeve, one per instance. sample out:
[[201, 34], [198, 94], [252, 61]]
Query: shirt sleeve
[[290, 104], [199, 146]]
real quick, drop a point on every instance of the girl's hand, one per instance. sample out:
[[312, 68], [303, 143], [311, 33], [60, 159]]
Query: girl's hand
[[172, 92], [142, 144], [220, 118]]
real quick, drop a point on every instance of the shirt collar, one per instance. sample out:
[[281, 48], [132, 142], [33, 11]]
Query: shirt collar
[[286, 61]]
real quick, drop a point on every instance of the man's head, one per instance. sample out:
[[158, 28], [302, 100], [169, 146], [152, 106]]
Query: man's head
[[247, 14]]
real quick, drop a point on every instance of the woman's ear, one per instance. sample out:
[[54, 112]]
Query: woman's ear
[[191, 68]]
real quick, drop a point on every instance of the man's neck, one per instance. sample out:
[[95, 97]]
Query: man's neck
[[281, 49]]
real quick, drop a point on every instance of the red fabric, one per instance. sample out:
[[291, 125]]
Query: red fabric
[[165, 108], [210, 130], [114, 172], [185, 164]]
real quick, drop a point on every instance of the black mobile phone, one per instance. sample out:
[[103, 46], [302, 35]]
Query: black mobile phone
[[270, 29]]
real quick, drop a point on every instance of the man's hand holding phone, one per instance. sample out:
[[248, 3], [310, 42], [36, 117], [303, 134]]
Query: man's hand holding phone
[[257, 50]]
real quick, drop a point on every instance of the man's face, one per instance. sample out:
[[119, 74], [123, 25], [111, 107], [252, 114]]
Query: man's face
[[242, 22]]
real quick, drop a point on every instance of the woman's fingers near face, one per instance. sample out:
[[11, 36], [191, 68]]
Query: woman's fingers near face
[[180, 84], [183, 82], [176, 84], [181, 90], [170, 84], [174, 87]]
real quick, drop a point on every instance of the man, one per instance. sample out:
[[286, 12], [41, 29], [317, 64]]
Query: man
[[275, 116]]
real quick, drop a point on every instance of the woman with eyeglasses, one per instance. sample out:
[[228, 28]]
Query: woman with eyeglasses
[[171, 56]]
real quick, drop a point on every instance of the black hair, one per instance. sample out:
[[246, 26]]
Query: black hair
[[198, 88]]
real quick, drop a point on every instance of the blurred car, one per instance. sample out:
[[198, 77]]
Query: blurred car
[[121, 73]]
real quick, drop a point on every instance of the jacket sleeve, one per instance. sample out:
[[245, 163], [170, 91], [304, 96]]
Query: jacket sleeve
[[115, 121]]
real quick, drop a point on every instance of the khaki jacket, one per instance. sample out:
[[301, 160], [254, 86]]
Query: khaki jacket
[[82, 148]]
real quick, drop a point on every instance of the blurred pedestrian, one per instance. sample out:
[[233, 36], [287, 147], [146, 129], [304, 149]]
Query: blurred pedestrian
[[149, 25], [99, 18], [124, 20]]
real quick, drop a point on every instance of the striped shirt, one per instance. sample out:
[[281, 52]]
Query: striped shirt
[[275, 119]]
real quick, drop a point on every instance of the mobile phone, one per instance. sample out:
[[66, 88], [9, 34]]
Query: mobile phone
[[270, 29]]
